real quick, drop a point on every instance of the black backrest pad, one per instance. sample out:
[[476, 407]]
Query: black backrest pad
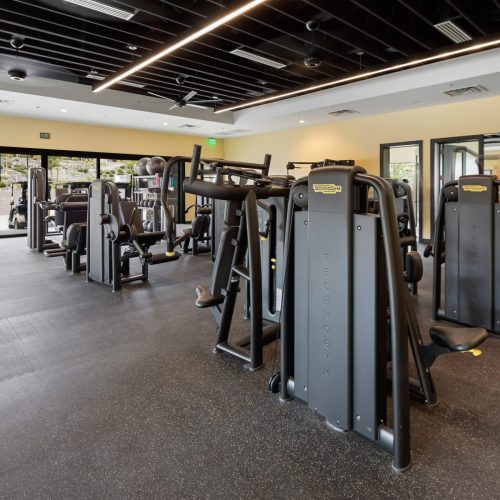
[[131, 215]]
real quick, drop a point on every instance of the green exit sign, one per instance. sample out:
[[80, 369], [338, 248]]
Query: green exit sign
[[212, 141]]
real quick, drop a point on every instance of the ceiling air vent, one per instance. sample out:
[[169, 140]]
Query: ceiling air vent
[[341, 112], [260, 93], [450, 30], [189, 125], [252, 56], [236, 131], [473, 89]]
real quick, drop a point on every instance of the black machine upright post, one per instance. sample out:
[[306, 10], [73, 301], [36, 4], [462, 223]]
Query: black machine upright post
[[255, 270]]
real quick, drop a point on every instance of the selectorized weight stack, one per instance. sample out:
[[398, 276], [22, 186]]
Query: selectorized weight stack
[[271, 214], [37, 214]]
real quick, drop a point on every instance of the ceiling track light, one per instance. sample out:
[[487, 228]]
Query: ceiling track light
[[367, 74], [103, 8], [181, 43]]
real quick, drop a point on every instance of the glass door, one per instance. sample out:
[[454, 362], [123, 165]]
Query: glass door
[[13, 191], [452, 158], [401, 162], [492, 154]]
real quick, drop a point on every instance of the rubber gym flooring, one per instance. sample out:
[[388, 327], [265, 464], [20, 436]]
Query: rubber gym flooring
[[118, 395]]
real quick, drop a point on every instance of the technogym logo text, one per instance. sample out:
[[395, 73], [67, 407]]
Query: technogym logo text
[[474, 188], [327, 188]]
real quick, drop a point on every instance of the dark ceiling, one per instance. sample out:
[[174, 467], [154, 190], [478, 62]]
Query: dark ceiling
[[67, 42]]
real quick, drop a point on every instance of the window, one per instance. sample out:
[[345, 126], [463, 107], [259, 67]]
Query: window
[[117, 170], [13, 184], [63, 170]]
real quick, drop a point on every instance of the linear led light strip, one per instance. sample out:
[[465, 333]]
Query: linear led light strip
[[171, 48], [105, 9], [361, 76]]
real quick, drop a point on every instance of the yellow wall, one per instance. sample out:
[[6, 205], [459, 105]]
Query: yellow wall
[[360, 138], [25, 133]]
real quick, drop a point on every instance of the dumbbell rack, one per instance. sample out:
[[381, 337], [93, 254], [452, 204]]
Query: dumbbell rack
[[147, 194]]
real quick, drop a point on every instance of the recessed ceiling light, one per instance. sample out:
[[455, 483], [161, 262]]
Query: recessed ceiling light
[[131, 46], [103, 8], [165, 123], [63, 110], [181, 43], [450, 30], [251, 56], [301, 121]]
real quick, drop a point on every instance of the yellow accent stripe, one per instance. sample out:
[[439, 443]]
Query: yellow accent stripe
[[475, 188]]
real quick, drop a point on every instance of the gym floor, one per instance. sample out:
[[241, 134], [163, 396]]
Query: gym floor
[[118, 395]]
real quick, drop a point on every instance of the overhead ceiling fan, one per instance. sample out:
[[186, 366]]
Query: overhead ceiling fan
[[20, 68], [185, 100]]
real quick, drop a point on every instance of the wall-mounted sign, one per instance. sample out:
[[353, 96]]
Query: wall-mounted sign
[[44, 135], [212, 141]]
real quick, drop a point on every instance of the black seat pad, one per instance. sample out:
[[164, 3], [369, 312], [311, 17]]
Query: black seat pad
[[457, 338]]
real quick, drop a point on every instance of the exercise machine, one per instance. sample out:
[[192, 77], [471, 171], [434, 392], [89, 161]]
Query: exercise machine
[[348, 315], [292, 165], [407, 227], [466, 288], [199, 233], [68, 209], [75, 246], [242, 186], [115, 235], [38, 231], [68, 206]]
